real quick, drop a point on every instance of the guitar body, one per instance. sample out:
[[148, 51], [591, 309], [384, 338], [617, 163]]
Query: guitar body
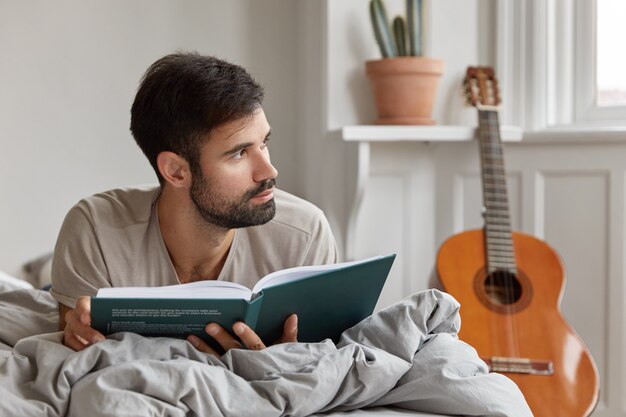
[[530, 327]]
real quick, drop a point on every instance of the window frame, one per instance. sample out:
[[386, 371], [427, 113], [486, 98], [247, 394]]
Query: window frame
[[546, 62]]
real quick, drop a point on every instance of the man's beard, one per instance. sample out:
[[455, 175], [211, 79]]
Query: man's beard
[[234, 213]]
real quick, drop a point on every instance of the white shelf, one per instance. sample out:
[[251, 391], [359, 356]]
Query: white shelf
[[384, 133], [365, 135]]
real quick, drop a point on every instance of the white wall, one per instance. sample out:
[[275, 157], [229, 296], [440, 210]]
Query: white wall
[[68, 73]]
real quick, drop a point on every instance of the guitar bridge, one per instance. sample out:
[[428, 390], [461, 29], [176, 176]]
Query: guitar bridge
[[519, 365]]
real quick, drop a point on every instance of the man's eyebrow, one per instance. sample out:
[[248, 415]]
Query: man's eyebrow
[[237, 148], [244, 145]]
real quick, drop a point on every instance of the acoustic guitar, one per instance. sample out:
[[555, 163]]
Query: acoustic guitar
[[510, 286]]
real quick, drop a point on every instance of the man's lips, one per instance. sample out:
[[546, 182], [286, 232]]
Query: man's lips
[[265, 195]]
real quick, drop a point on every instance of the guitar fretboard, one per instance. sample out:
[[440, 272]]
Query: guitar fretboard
[[498, 237]]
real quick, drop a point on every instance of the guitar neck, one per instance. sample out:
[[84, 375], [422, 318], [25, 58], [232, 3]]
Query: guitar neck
[[498, 237]]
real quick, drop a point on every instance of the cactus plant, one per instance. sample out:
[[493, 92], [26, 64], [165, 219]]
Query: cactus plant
[[399, 33], [393, 46]]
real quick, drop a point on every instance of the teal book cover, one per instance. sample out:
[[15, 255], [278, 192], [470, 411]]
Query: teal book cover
[[328, 299]]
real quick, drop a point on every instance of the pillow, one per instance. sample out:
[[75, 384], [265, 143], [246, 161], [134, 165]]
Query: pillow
[[38, 271], [7, 282]]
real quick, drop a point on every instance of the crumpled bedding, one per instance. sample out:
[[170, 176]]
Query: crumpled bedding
[[407, 355]]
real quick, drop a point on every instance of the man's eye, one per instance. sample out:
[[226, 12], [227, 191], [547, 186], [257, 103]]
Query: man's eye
[[239, 154]]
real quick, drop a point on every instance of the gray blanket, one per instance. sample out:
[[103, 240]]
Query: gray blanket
[[407, 355]]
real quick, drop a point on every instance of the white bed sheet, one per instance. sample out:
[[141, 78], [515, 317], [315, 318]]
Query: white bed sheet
[[420, 362], [380, 412]]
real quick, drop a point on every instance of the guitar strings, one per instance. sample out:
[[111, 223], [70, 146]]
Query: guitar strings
[[500, 258]]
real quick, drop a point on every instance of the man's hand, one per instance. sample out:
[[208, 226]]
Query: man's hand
[[249, 338], [77, 332]]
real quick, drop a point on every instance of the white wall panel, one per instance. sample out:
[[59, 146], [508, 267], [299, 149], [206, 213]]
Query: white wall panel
[[396, 216], [383, 220], [576, 216]]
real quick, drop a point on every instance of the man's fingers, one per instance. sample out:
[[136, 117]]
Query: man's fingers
[[226, 340], [77, 334], [201, 345], [90, 335], [222, 337], [290, 330], [247, 336], [83, 331], [83, 310], [72, 342], [77, 339]]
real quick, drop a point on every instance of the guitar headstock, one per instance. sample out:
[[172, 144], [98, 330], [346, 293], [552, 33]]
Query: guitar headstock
[[481, 87]]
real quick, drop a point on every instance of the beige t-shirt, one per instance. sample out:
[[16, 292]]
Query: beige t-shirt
[[113, 239]]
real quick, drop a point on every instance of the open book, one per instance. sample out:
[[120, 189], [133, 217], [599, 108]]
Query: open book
[[328, 299]]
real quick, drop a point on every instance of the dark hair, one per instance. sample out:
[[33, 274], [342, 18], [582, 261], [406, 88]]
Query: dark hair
[[183, 97]]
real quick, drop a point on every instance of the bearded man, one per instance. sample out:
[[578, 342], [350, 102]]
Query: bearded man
[[215, 214]]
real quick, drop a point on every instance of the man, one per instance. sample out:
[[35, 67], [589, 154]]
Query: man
[[215, 214]]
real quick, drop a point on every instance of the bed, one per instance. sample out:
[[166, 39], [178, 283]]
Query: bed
[[403, 361]]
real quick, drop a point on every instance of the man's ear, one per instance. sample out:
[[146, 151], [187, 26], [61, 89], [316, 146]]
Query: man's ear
[[174, 169]]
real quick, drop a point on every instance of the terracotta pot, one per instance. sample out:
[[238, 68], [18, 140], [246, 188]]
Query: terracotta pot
[[404, 89]]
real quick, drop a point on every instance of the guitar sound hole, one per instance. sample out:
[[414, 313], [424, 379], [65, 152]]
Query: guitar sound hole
[[502, 288]]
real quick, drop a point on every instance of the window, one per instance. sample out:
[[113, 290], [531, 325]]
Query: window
[[610, 58], [562, 62]]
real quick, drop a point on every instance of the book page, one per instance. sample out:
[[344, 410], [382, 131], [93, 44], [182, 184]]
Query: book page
[[299, 272], [199, 289]]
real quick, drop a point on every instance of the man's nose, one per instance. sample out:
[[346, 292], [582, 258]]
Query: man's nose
[[264, 170]]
